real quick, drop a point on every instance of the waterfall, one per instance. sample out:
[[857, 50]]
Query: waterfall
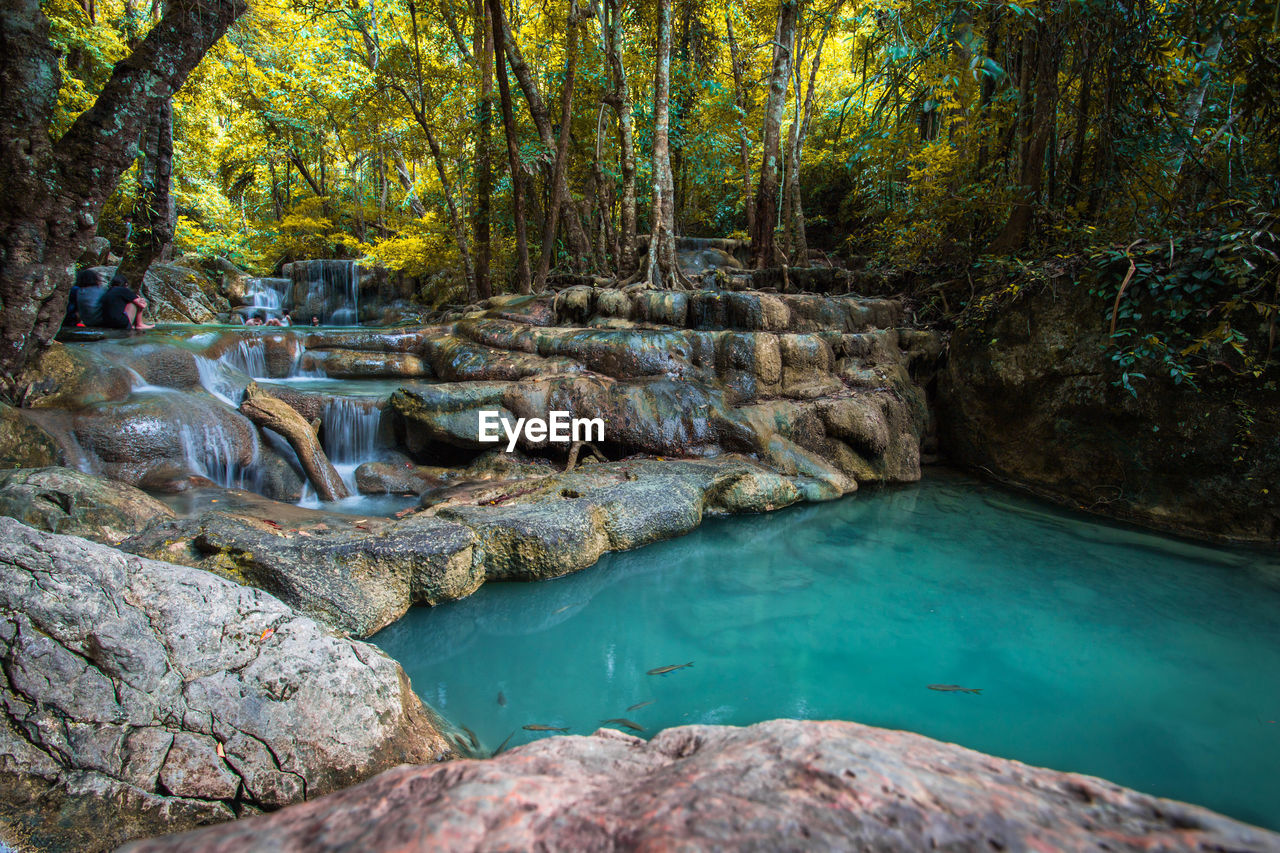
[[329, 290], [249, 357], [210, 451], [350, 430], [266, 297]]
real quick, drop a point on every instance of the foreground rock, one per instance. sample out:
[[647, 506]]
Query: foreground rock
[[781, 785], [1031, 396], [144, 698], [63, 500]]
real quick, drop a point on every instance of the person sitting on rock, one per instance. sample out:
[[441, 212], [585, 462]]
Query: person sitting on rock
[[89, 294], [84, 278], [122, 308]]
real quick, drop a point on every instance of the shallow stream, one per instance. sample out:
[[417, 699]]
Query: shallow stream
[[1098, 649]]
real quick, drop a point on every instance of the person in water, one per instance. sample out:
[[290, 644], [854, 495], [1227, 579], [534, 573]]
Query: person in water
[[122, 308], [315, 321]]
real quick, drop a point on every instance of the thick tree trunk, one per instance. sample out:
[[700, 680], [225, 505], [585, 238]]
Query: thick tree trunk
[[763, 250], [1082, 124], [51, 193], [620, 100], [742, 100], [153, 216], [1016, 230], [523, 279], [275, 414], [579, 246], [559, 184], [662, 270], [483, 48]]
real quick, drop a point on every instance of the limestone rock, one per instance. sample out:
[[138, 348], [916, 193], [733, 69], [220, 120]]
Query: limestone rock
[[1031, 397], [779, 785], [358, 578], [63, 500], [146, 698]]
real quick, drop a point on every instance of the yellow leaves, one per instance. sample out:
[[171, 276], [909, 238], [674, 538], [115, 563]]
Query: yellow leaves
[[422, 247]]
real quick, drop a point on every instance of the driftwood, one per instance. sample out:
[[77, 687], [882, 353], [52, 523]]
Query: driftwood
[[275, 414]]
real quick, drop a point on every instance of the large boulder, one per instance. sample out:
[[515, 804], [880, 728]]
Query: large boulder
[[144, 698], [63, 500], [1031, 396], [780, 785]]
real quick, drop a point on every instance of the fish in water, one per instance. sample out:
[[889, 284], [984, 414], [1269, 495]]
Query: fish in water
[[502, 699], [620, 721], [475, 742], [538, 727], [663, 670], [502, 745], [639, 705], [955, 688]]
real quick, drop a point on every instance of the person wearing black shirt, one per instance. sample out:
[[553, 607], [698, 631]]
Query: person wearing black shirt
[[122, 308]]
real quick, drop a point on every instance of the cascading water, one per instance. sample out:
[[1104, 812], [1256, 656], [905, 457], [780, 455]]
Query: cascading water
[[326, 290], [350, 429], [266, 297], [249, 356], [210, 451]]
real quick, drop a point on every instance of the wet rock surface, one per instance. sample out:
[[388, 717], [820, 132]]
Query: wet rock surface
[[1031, 397], [712, 401], [780, 785], [144, 698]]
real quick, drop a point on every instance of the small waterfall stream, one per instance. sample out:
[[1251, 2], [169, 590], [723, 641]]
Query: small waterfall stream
[[266, 297], [350, 435]]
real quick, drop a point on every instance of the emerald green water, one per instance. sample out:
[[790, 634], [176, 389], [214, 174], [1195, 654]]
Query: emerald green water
[[1102, 650]]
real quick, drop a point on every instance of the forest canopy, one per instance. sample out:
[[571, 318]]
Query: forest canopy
[[911, 131]]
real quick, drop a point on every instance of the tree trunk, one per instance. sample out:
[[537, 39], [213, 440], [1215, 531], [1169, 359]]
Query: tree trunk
[[275, 414], [763, 250], [153, 216], [483, 47], [741, 99], [1195, 101], [523, 279], [1082, 124], [559, 184], [799, 242], [1016, 230], [406, 183], [577, 238], [662, 270], [620, 100], [51, 193]]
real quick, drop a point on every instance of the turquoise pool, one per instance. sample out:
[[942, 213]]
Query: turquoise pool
[[1143, 659]]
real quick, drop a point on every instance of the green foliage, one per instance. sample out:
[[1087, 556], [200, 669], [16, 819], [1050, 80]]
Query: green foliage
[[1193, 305]]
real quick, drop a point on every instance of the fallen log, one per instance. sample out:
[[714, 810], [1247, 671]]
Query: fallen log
[[275, 414]]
